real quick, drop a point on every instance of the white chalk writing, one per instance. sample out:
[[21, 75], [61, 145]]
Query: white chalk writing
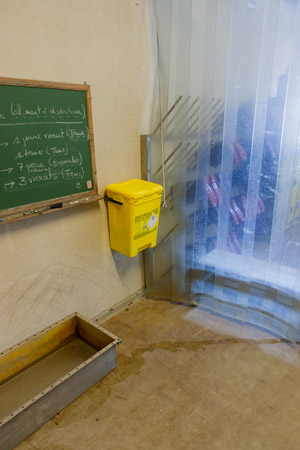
[[49, 152], [20, 111]]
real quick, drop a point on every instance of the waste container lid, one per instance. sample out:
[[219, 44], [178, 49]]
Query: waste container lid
[[135, 189]]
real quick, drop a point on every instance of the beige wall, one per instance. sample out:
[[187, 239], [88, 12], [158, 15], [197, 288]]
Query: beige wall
[[56, 264]]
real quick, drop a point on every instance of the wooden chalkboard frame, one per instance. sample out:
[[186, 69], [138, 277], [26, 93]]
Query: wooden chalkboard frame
[[55, 204]]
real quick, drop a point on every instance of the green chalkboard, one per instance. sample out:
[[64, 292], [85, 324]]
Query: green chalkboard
[[46, 144]]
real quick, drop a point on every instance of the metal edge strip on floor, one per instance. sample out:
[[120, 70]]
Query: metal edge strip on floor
[[123, 304]]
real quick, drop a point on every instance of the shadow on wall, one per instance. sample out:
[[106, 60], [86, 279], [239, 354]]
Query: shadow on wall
[[122, 262]]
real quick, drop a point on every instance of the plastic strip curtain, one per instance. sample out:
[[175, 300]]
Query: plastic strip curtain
[[229, 240]]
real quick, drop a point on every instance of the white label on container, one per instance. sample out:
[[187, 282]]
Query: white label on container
[[152, 221]]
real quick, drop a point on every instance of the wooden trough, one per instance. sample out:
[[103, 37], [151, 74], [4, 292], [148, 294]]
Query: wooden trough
[[44, 373]]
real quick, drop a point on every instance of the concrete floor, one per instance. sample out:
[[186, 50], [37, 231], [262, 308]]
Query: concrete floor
[[185, 380]]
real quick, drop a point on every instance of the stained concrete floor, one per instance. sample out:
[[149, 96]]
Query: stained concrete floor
[[185, 380]]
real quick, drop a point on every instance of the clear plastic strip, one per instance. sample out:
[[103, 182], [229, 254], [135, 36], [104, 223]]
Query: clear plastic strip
[[235, 54]]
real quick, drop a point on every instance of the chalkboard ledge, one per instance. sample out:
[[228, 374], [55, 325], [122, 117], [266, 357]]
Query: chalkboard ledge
[[50, 208]]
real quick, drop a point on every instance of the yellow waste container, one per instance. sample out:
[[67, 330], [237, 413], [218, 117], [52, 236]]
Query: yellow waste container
[[133, 212]]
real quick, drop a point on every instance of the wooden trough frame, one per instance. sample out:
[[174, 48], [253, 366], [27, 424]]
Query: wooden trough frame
[[49, 370]]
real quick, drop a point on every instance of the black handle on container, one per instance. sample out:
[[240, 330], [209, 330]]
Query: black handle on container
[[109, 199]]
